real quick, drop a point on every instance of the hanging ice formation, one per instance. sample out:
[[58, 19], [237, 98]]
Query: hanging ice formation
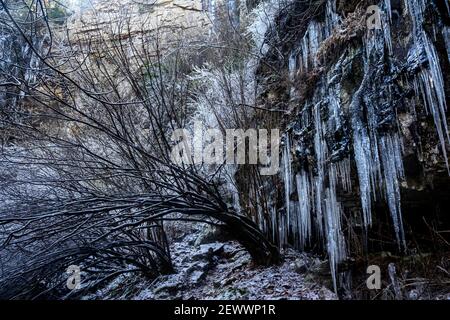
[[233, 12], [428, 81], [377, 151], [15, 52], [317, 205], [211, 7], [12, 51]]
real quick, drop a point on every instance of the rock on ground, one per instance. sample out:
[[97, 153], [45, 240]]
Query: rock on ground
[[224, 271]]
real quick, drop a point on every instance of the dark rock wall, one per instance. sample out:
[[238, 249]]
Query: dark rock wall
[[364, 160]]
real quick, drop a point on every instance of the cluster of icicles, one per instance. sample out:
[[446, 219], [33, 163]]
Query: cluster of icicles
[[11, 57], [378, 158]]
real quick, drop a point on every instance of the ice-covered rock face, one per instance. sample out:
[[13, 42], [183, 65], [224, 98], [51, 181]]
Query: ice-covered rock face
[[19, 66], [377, 93]]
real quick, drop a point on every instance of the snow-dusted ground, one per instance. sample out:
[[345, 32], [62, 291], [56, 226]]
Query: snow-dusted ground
[[224, 271]]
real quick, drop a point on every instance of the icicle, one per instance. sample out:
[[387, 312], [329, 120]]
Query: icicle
[[332, 19], [387, 20], [309, 46], [315, 38], [446, 35], [333, 94], [292, 66], [304, 196], [287, 174], [387, 6], [233, 13], [212, 9], [376, 40], [363, 151], [394, 281], [320, 150], [391, 155], [431, 77], [335, 239], [361, 145]]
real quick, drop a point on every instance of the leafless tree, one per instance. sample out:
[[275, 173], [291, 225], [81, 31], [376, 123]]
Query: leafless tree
[[89, 179]]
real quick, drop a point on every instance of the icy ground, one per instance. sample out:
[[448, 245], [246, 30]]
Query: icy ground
[[225, 271]]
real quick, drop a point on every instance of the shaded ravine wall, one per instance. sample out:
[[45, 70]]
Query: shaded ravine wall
[[364, 155]]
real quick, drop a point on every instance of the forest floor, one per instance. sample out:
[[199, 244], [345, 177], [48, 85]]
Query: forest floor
[[223, 270], [208, 266]]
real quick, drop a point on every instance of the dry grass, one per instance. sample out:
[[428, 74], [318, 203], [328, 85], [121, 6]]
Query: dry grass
[[352, 29]]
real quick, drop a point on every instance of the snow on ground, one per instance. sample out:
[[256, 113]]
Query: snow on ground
[[224, 271]]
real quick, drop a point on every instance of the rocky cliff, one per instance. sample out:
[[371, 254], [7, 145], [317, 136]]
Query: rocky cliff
[[169, 20], [364, 91]]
